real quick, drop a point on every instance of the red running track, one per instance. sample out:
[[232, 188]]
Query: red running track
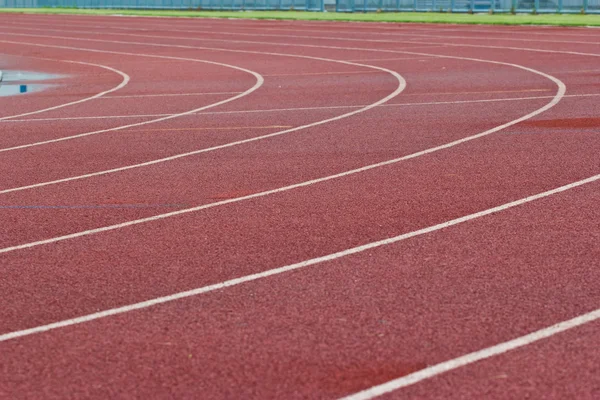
[[299, 210]]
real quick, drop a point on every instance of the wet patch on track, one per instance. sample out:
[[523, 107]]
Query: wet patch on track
[[14, 83]]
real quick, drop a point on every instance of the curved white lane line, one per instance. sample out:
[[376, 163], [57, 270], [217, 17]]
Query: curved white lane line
[[465, 28], [313, 46], [408, 33], [401, 86], [387, 387], [560, 93], [295, 28], [276, 110], [247, 24], [407, 51], [257, 84], [397, 91], [334, 38], [121, 85]]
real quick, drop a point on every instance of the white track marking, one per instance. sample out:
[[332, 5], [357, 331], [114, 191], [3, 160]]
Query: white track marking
[[575, 53], [353, 24], [330, 257], [168, 95], [401, 86], [394, 34], [220, 128], [225, 33], [299, 108], [459, 28], [257, 84], [559, 94], [88, 117], [534, 29], [480, 92], [407, 33], [236, 33], [177, 58], [389, 59], [196, 152], [326, 73], [313, 46], [121, 85], [476, 356], [313, 108]]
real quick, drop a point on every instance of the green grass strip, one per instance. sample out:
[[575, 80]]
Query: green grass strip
[[429, 17]]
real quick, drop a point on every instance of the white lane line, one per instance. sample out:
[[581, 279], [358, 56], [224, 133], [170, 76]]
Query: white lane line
[[401, 86], [326, 73], [559, 94], [312, 108], [424, 35], [529, 40], [401, 34], [89, 117], [167, 57], [168, 95], [389, 59], [398, 90], [318, 260], [464, 28], [291, 109], [575, 53], [534, 30], [237, 34], [375, 41], [257, 84], [474, 357], [393, 34], [479, 92], [368, 26], [121, 85], [529, 32], [391, 26], [314, 46], [195, 152]]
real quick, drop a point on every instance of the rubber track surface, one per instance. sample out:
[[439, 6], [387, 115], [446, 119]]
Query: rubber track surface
[[336, 327]]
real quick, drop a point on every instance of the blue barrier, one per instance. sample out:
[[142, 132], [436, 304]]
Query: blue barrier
[[501, 6], [303, 5]]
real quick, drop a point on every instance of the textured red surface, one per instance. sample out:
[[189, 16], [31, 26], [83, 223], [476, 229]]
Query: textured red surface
[[333, 328]]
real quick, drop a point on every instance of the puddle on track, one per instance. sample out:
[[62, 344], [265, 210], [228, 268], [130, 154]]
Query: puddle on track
[[22, 82]]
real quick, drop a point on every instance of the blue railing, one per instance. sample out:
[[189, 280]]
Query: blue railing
[[518, 6], [502, 6], [307, 5]]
